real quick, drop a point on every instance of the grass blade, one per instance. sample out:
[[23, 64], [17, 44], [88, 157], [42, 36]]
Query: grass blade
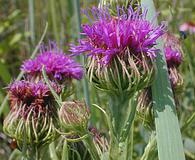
[[84, 81], [169, 141], [52, 4], [31, 19]]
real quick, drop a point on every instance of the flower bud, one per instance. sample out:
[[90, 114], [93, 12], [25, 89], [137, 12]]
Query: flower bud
[[74, 117], [100, 141]]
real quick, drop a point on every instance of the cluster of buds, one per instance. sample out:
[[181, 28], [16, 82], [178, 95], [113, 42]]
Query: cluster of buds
[[120, 49], [33, 116], [173, 55]]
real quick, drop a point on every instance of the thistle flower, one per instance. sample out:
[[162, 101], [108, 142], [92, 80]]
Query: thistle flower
[[173, 54], [119, 44], [172, 49], [58, 66], [32, 115], [74, 117]]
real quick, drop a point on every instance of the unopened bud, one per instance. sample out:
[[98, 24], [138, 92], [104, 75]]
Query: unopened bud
[[74, 117]]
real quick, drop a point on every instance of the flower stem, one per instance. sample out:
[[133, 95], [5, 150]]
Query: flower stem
[[150, 148], [88, 141], [118, 108], [130, 119], [188, 122], [119, 143]]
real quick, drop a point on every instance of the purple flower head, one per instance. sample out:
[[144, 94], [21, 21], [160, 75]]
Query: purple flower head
[[31, 96], [56, 63], [108, 36], [188, 26], [172, 50]]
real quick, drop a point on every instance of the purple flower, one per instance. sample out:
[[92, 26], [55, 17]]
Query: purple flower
[[56, 63], [31, 96], [109, 36], [173, 57], [172, 49]]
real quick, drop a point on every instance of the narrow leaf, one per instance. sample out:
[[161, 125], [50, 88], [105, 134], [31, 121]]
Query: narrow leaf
[[169, 141]]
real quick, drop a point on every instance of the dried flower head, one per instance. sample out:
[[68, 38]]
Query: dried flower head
[[32, 112], [74, 117], [57, 65], [120, 49]]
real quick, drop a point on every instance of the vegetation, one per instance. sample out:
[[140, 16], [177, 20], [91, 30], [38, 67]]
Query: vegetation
[[26, 24]]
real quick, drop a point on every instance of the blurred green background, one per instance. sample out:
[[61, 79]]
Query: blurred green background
[[22, 23]]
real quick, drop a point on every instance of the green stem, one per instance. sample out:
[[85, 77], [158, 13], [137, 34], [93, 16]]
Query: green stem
[[188, 122], [118, 108], [131, 117], [31, 19], [151, 147], [132, 137], [36, 154], [65, 151], [88, 141], [52, 151]]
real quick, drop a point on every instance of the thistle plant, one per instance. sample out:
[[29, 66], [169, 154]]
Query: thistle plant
[[121, 49], [32, 118], [120, 54], [34, 102]]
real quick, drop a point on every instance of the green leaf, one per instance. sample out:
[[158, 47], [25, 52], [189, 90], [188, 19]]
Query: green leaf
[[169, 141], [16, 38]]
